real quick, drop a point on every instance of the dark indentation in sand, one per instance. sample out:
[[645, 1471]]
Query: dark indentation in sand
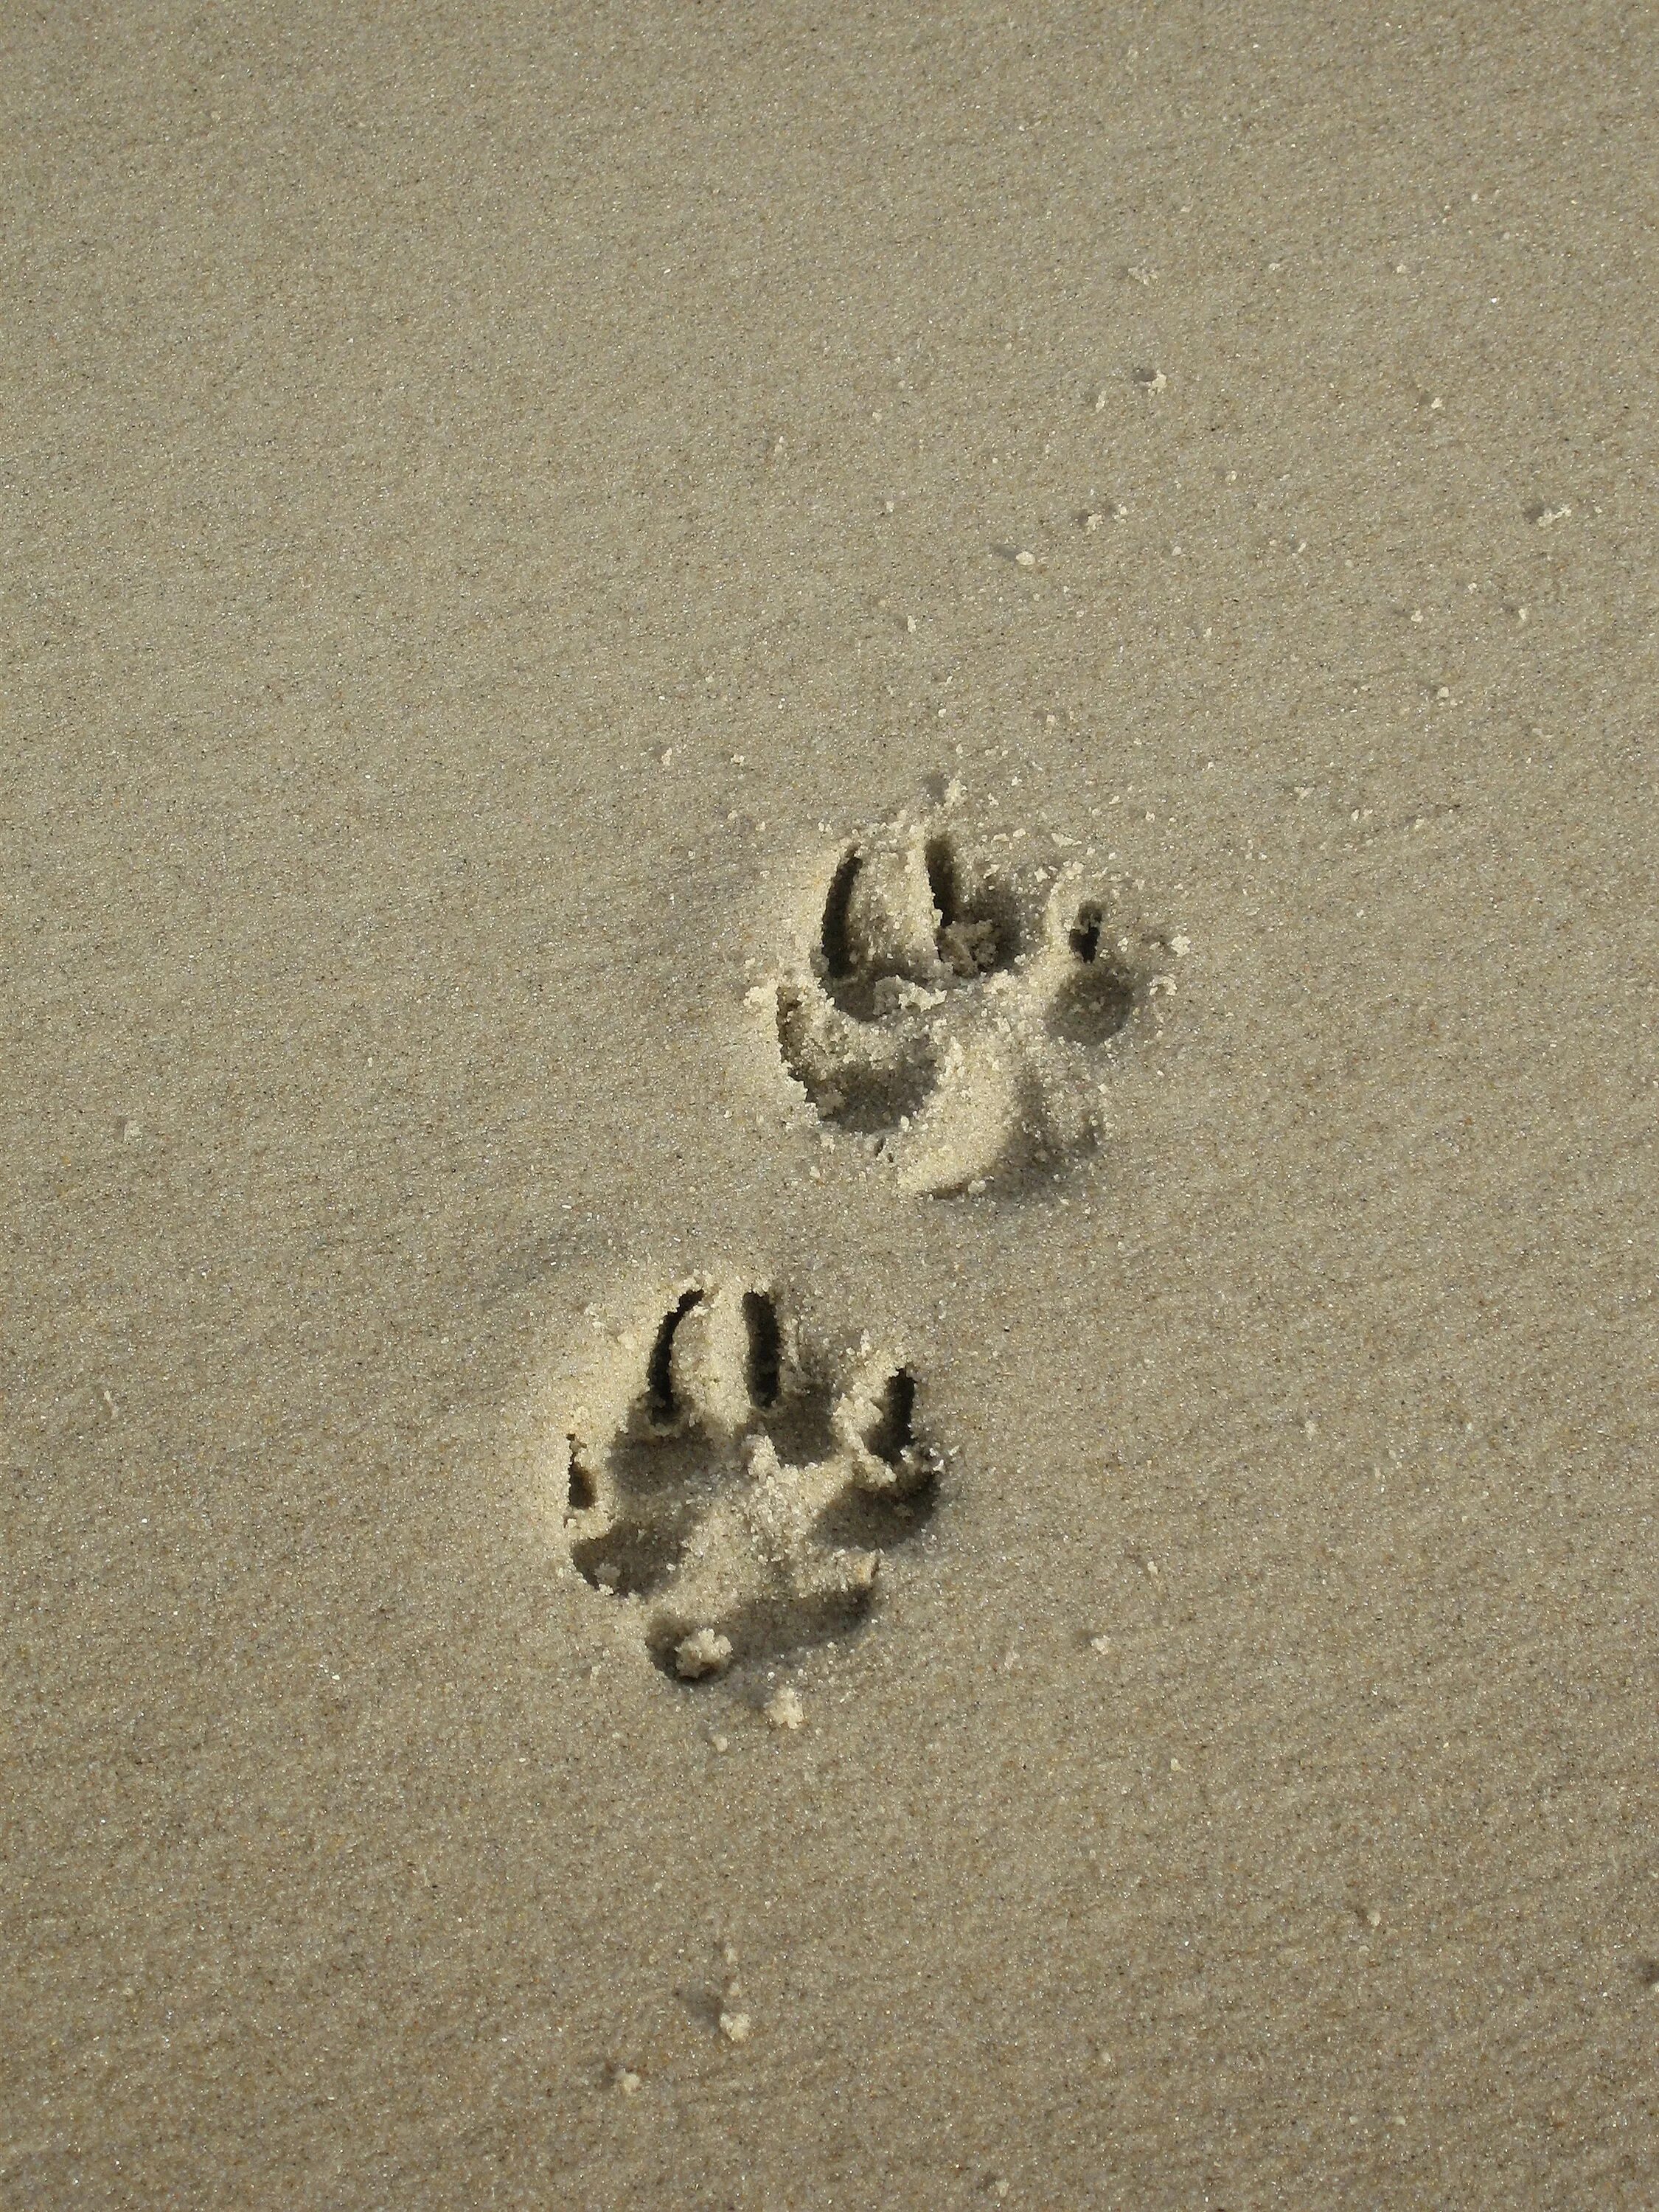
[[981, 935], [799, 1424], [891, 1433], [629, 1561], [866, 1097], [582, 1492], [760, 1321], [880, 1520], [837, 947], [1091, 1005], [942, 879], [660, 1370], [869, 1105]]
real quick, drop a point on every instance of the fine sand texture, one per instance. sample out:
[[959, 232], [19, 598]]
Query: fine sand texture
[[828, 840]]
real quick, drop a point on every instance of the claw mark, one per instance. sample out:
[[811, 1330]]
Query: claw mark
[[890, 1436], [942, 880], [837, 947], [582, 1492], [660, 1373], [760, 1319]]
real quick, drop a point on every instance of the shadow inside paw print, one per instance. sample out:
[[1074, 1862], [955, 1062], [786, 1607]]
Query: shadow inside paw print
[[743, 1505], [957, 1016]]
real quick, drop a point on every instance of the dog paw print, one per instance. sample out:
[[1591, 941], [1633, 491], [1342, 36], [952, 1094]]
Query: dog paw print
[[737, 1496], [958, 1015]]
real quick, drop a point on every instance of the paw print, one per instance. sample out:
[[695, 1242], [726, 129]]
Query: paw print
[[738, 1501], [958, 1015]]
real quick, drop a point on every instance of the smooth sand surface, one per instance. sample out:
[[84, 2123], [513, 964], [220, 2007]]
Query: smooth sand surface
[[501, 505]]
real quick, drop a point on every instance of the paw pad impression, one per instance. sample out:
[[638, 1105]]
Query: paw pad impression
[[740, 1500], [956, 1013]]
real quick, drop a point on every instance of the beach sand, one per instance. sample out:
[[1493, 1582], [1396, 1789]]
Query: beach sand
[[829, 832]]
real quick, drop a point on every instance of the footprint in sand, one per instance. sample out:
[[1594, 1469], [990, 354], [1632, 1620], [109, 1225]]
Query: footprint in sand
[[959, 1013], [740, 1492]]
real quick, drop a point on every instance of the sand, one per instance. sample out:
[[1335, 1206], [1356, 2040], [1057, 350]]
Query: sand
[[966, 695]]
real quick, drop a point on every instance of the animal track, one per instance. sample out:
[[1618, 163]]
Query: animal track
[[736, 1499], [956, 1014]]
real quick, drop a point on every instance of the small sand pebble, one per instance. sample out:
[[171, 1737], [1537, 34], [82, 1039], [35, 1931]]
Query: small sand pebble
[[629, 2082], [784, 1710], [1026, 558], [736, 2027], [1102, 1644]]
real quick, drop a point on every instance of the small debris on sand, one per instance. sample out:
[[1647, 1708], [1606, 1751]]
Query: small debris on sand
[[737, 2027], [1150, 380], [784, 1710], [705, 1651]]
